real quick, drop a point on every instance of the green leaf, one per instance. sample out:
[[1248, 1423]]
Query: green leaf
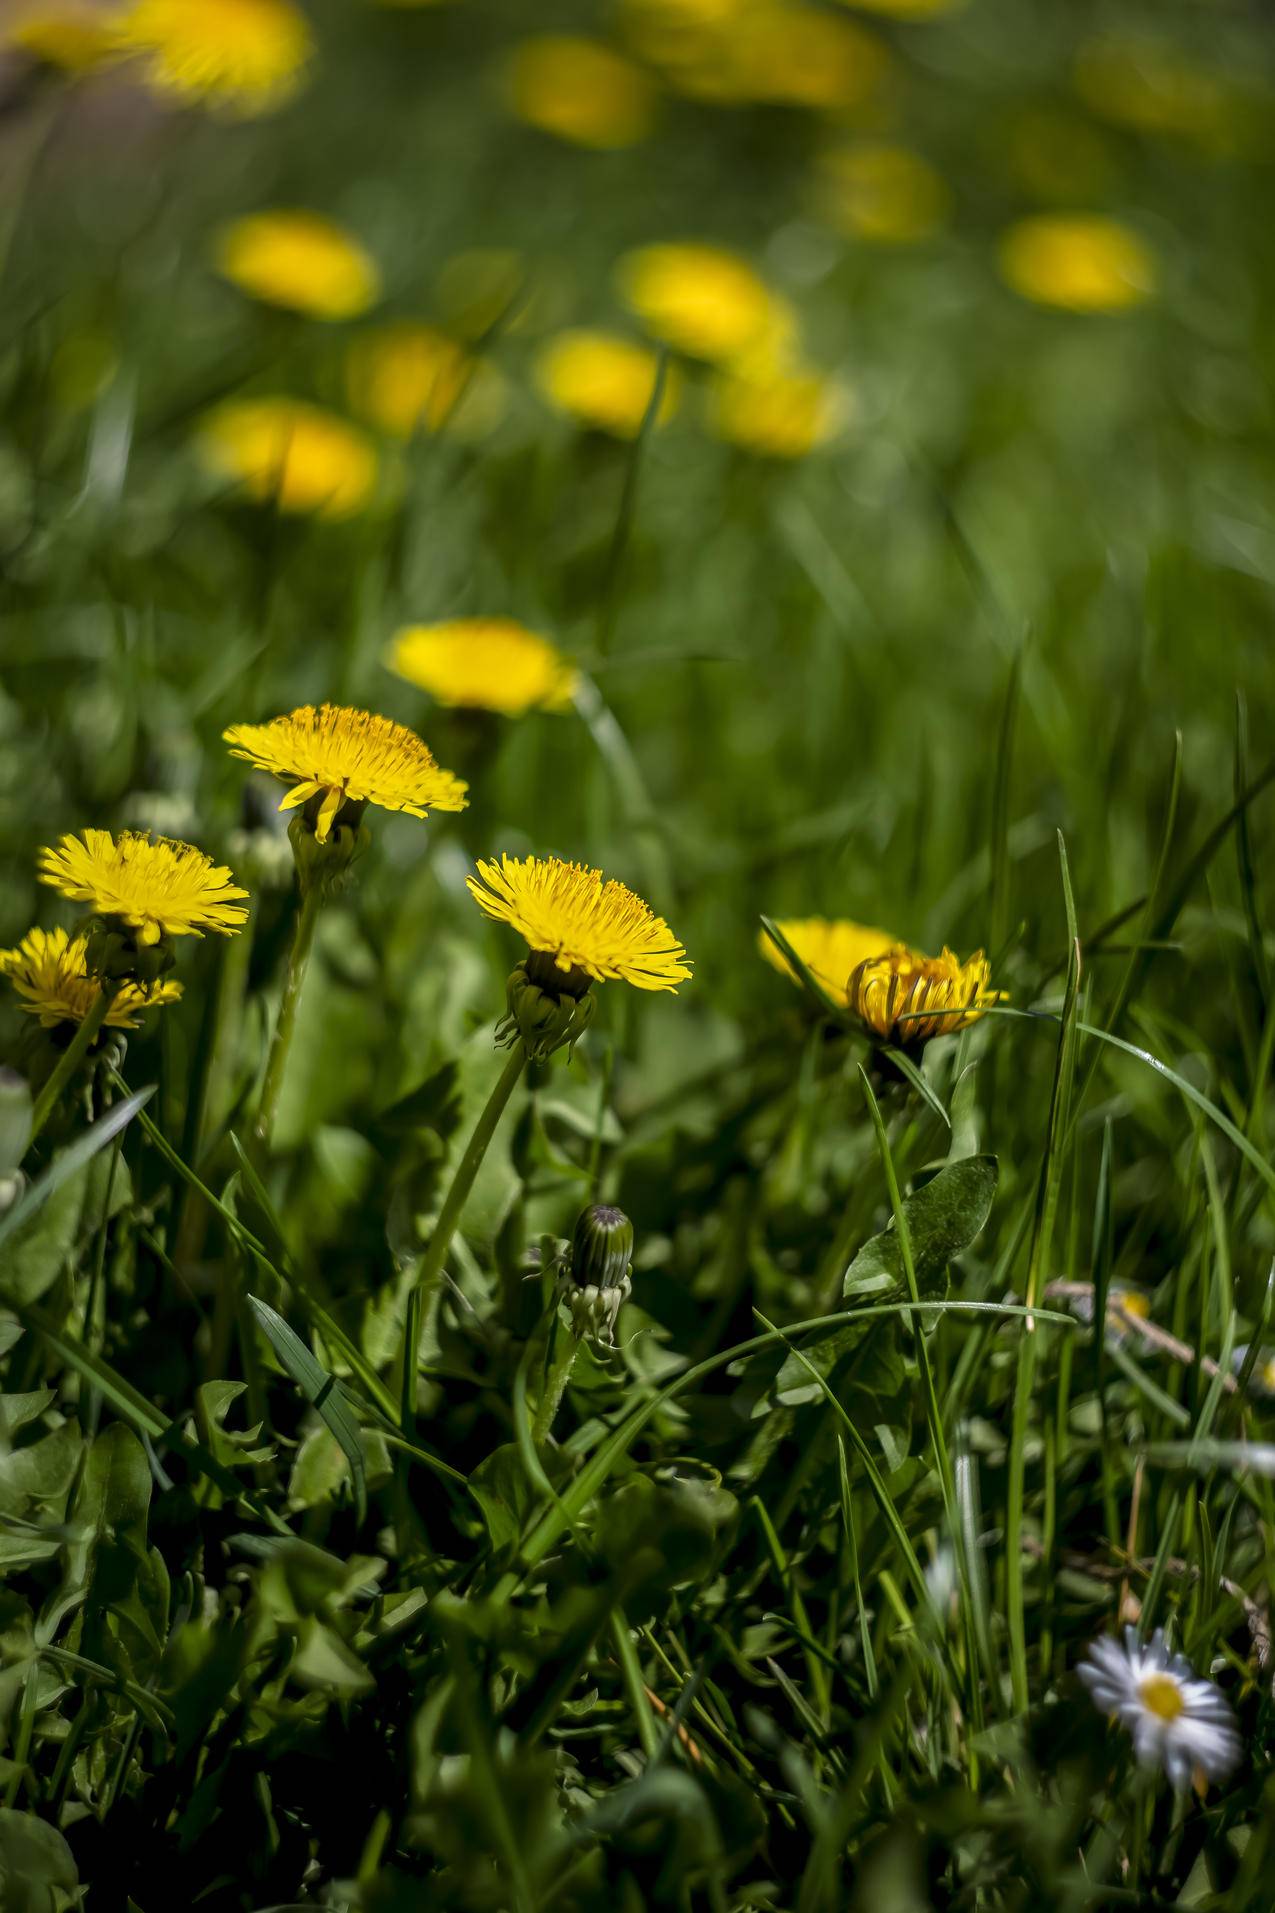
[[37, 1868], [64, 1165], [943, 1218], [321, 1389]]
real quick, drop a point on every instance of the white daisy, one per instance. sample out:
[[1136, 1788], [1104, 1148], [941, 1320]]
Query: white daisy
[[1178, 1721]]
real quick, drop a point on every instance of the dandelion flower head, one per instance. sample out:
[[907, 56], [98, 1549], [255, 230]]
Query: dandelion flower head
[[704, 301], [571, 915], [243, 56], [901, 996], [829, 948], [407, 377], [157, 886], [580, 90], [778, 412], [48, 971], [72, 34], [300, 260], [1081, 263], [484, 664], [290, 454], [603, 381], [340, 756]]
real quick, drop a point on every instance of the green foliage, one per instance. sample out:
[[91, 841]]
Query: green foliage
[[314, 1593]]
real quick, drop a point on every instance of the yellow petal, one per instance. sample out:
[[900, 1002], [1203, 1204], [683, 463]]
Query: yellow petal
[[327, 811]]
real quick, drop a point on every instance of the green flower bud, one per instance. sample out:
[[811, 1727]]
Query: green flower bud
[[114, 953], [327, 863], [597, 1280], [601, 1247], [542, 1020]]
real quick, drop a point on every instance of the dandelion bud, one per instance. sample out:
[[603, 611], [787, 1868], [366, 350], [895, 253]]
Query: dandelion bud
[[117, 952], [324, 861], [543, 1019], [598, 1282]]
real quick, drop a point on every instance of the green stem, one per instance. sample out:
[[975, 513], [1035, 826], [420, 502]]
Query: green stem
[[285, 1026], [555, 1384], [72, 1056], [431, 1269], [635, 1686]]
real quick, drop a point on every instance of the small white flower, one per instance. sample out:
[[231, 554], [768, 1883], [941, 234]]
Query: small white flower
[[1178, 1721]]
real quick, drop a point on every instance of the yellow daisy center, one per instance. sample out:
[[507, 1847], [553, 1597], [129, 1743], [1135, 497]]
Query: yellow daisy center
[[1161, 1695]]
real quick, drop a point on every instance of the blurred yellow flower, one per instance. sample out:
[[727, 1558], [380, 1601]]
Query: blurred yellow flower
[[904, 997], [407, 377], [883, 193], [246, 56], [300, 260], [676, 32], [568, 914], [285, 452], [603, 380], [339, 757], [156, 886], [780, 51], [47, 969], [778, 412], [1081, 262], [1144, 84], [829, 948], [907, 9], [579, 90], [704, 301], [76, 35], [484, 664]]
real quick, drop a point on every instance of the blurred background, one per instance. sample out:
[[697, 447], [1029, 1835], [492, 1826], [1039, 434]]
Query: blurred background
[[963, 327]]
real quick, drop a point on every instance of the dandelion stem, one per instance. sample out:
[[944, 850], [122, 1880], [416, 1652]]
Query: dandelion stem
[[449, 1216], [70, 1060], [285, 1026], [555, 1383]]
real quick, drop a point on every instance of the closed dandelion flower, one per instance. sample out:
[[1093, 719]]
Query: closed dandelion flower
[[901, 996], [300, 260], [603, 381], [484, 664], [1081, 263], [408, 378], [155, 887], [882, 193], [776, 412], [49, 971], [580, 928], [704, 301], [338, 761], [1178, 1721], [580, 90], [830, 949], [244, 56], [292, 455]]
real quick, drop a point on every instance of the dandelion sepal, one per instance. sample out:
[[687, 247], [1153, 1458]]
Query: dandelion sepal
[[541, 1018]]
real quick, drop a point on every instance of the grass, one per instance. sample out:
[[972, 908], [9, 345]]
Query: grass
[[302, 1605]]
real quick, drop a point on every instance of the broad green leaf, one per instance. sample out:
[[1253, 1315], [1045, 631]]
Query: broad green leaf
[[321, 1389], [37, 1868]]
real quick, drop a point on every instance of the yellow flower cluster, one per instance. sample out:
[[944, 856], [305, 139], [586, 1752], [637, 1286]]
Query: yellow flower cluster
[[895, 993]]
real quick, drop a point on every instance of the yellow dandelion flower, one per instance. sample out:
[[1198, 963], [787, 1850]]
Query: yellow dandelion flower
[[704, 301], [408, 378], [1144, 84], [883, 193], [155, 885], [75, 35], [603, 380], [580, 90], [245, 56], [830, 948], [907, 9], [676, 32], [485, 664], [797, 56], [569, 915], [781, 413], [48, 971], [300, 260], [1081, 262], [286, 453], [904, 997], [343, 757]]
